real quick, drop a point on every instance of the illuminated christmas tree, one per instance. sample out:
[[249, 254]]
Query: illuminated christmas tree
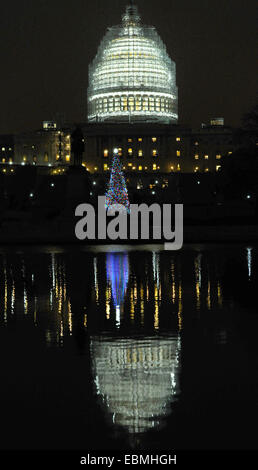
[[117, 191]]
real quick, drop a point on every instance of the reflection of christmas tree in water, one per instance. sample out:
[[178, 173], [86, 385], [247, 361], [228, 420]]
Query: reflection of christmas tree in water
[[117, 191], [117, 274]]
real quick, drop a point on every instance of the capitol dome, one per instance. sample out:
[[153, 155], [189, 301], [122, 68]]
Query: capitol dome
[[132, 78]]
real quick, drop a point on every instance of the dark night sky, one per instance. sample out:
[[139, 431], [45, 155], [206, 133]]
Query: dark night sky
[[46, 46]]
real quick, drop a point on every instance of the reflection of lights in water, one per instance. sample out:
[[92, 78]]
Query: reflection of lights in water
[[209, 295], [35, 311], [59, 302], [62, 329], [117, 274], [156, 277], [135, 293], [249, 262], [131, 306], [173, 282], [5, 295], [96, 285], [137, 379], [147, 293], [108, 300], [70, 318], [156, 269], [156, 317], [25, 301], [180, 306], [118, 315], [220, 299], [53, 269], [198, 280], [13, 299], [51, 298], [142, 307]]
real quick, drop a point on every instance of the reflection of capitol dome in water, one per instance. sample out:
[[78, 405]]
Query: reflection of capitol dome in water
[[137, 379], [132, 76]]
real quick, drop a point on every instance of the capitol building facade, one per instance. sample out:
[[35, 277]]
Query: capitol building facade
[[132, 105]]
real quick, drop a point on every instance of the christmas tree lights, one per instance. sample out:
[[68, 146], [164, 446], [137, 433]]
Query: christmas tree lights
[[117, 191]]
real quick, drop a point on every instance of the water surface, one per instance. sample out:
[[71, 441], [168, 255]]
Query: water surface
[[128, 348]]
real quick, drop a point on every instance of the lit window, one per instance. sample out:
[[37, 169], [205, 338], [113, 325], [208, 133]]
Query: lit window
[[206, 170], [10, 160], [172, 168], [130, 151], [154, 152], [154, 139], [140, 153], [106, 153], [24, 158], [178, 168], [154, 166], [45, 157], [57, 156], [3, 160], [140, 168], [130, 140], [3, 149], [196, 157], [178, 153], [130, 164], [178, 139], [206, 157], [140, 139], [196, 143], [229, 153], [196, 169], [105, 167], [218, 157], [218, 167], [67, 158]]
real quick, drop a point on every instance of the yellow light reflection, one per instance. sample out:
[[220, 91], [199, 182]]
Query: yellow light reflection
[[219, 293], [209, 295], [180, 306]]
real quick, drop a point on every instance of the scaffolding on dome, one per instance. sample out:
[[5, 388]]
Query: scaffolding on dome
[[132, 76]]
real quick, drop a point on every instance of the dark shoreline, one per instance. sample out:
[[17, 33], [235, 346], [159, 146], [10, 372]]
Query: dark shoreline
[[192, 234]]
